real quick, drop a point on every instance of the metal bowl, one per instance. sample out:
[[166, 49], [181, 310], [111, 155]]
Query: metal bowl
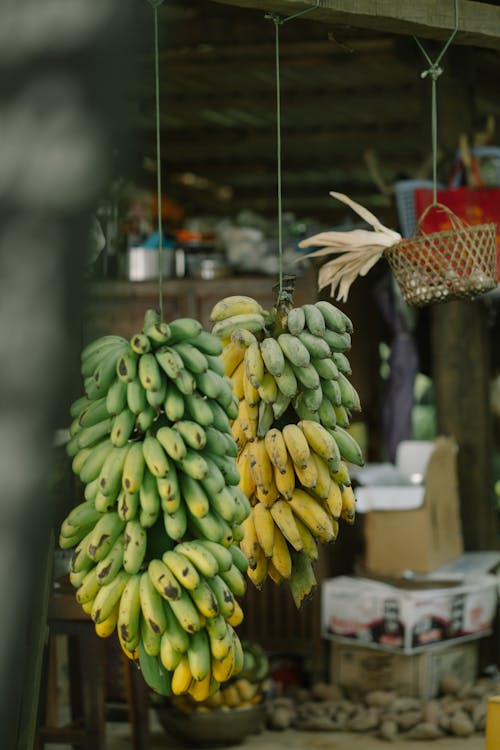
[[213, 727]]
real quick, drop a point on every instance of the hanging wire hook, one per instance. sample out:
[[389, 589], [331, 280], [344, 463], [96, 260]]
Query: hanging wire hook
[[434, 71], [279, 21]]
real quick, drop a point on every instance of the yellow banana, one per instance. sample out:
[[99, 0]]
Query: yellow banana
[[273, 573], [246, 483], [268, 390], [258, 574], [237, 616], [269, 494], [236, 304], [237, 380], [250, 542], [107, 627], [276, 449], [200, 689], [348, 512], [319, 439], [334, 499], [250, 393], [248, 417], [307, 476], [285, 520], [222, 669], [309, 545], [323, 480], [264, 528], [232, 355], [309, 510], [281, 560], [285, 482], [260, 465], [297, 445], [254, 365], [181, 677]]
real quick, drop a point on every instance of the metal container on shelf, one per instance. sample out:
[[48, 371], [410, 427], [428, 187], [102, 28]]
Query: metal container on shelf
[[198, 257], [141, 261]]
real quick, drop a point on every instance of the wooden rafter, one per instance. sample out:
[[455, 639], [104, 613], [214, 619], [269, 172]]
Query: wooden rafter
[[479, 23]]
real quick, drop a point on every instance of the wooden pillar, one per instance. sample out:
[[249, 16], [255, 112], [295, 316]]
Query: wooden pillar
[[461, 370]]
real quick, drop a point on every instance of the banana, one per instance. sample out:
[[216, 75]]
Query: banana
[[222, 669], [260, 465], [156, 399], [215, 361], [182, 568], [140, 343], [157, 333], [127, 505], [258, 574], [312, 398], [232, 356], [201, 557], [133, 469], [222, 554], [227, 465], [129, 613], [194, 465], [190, 433], [95, 412], [296, 320], [281, 559], [170, 362], [104, 534], [177, 634], [243, 337], [342, 416], [78, 406], [267, 495], [106, 628], [312, 514], [315, 322], [285, 481], [323, 479], [164, 581], [272, 356], [273, 573], [248, 419], [135, 546], [234, 579], [254, 365], [80, 560], [309, 546], [237, 616], [210, 383], [217, 442], [309, 378], [239, 656], [181, 677], [246, 483], [101, 344], [82, 515], [326, 368], [281, 402], [146, 418], [210, 526], [331, 391], [151, 316], [110, 476], [326, 413], [194, 495], [303, 412], [224, 504], [208, 344], [250, 393], [183, 329], [338, 342], [126, 366], [342, 363], [76, 579], [136, 396], [220, 418], [104, 503], [105, 372], [294, 350], [349, 395], [108, 597], [149, 371], [175, 522], [317, 347], [268, 390], [87, 437], [348, 512], [170, 658], [153, 608], [204, 599], [235, 305], [341, 474], [174, 403], [214, 482], [333, 501], [122, 428], [264, 528], [150, 644], [200, 690], [250, 542], [79, 459], [91, 490], [296, 444], [116, 397], [284, 519], [155, 456], [238, 378], [194, 360], [186, 613], [239, 558], [265, 419], [199, 409], [287, 385], [319, 439], [186, 383], [348, 447], [308, 476], [89, 587], [152, 669], [335, 319], [253, 322], [199, 656]]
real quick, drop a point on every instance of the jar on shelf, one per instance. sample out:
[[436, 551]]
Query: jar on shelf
[[197, 256]]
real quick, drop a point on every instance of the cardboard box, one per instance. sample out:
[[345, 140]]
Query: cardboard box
[[416, 675], [407, 620], [425, 538]]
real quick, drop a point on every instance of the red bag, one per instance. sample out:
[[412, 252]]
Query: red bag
[[474, 205]]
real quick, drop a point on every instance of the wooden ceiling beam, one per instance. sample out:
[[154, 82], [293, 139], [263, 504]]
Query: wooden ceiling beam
[[479, 23]]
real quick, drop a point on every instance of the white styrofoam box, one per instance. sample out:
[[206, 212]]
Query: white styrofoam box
[[407, 620]]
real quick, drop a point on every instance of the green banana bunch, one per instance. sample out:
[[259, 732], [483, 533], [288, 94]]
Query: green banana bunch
[[151, 442]]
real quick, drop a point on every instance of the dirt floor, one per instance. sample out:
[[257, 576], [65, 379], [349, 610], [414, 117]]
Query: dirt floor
[[119, 739]]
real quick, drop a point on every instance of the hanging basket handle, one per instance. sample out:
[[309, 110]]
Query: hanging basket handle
[[456, 222]]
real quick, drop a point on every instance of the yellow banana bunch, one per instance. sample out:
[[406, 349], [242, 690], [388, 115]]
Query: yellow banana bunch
[[290, 374], [155, 554]]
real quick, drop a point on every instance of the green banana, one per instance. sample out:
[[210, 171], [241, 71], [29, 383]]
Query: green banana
[[136, 396], [223, 595], [135, 546], [110, 476], [145, 419], [342, 363], [294, 350], [108, 597], [105, 372], [154, 673], [122, 428], [214, 362], [164, 581], [273, 356], [227, 466], [175, 522], [220, 419], [315, 321], [287, 383], [349, 395], [326, 368], [331, 391], [224, 504], [129, 614], [296, 320], [140, 343], [194, 496], [150, 641], [158, 333], [222, 554], [234, 579], [182, 568], [191, 433], [177, 633], [172, 442], [152, 605], [317, 347], [170, 362], [150, 374], [204, 599], [87, 437], [199, 409], [214, 481], [94, 413], [103, 536], [133, 468], [168, 490], [127, 505], [326, 413], [126, 366], [116, 397], [208, 344], [186, 613], [184, 328], [156, 399], [78, 406], [211, 384], [89, 587], [194, 360], [155, 456], [194, 465], [186, 382], [338, 342], [265, 418], [307, 376], [348, 447], [174, 403], [335, 319], [239, 558], [199, 655], [201, 557], [209, 526]]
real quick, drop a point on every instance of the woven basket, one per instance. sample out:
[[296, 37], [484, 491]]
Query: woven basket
[[455, 264]]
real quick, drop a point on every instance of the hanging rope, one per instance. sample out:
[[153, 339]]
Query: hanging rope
[[279, 21], [434, 71], [156, 4]]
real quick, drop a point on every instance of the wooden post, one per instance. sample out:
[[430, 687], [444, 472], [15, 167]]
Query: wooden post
[[461, 359]]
